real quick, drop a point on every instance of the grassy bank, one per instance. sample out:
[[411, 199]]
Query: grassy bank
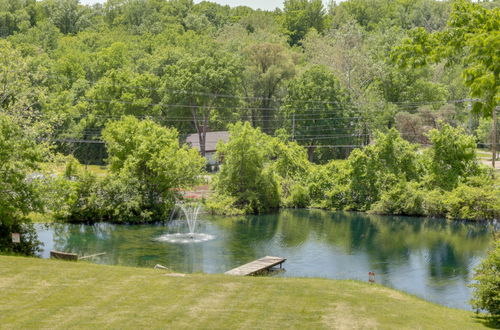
[[55, 294]]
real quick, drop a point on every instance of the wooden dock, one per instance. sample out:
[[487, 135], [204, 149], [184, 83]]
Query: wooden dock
[[256, 266]]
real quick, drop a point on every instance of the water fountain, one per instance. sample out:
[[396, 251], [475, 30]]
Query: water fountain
[[187, 212]]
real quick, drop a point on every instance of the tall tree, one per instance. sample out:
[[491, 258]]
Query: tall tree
[[471, 37], [299, 16], [269, 66], [318, 111], [148, 157], [68, 15], [205, 88]]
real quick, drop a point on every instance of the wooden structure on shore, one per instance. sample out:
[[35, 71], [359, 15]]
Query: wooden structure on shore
[[256, 266], [71, 256]]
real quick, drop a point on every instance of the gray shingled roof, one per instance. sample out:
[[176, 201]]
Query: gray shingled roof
[[212, 139]]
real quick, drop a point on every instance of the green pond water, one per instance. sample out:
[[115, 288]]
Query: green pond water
[[431, 258]]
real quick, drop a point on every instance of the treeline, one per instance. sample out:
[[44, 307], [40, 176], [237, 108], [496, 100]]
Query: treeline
[[322, 75]]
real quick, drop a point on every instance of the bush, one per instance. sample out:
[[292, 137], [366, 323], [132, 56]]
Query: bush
[[486, 295], [404, 198], [451, 159], [223, 205], [30, 245], [245, 174], [472, 203], [321, 179], [297, 195], [379, 166]]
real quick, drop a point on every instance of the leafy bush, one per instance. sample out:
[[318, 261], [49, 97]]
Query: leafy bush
[[245, 174], [223, 205], [404, 198], [29, 244], [486, 295], [146, 164], [473, 203], [297, 195], [451, 158], [464, 202], [374, 169], [321, 179], [19, 156]]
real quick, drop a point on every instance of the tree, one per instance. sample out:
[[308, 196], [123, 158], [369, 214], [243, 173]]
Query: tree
[[299, 16], [245, 175], [19, 159], [269, 66], [203, 87], [68, 15], [17, 97], [317, 111], [451, 158], [343, 50], [486, 295], [473, 28], [379, 166], [148, 157]]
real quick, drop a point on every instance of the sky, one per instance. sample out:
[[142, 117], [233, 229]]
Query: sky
[[262, 4]]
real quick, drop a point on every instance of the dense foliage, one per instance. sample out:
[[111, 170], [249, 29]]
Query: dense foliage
[[390, 176], [19, 157], [320, 73], [487, 286], [147, 167]]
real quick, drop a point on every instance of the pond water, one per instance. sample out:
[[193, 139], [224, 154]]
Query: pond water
[[431, 258]]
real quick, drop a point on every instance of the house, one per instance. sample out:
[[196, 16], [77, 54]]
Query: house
[[212, 139]]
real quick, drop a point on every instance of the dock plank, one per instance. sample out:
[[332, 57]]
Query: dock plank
[[256, 266]]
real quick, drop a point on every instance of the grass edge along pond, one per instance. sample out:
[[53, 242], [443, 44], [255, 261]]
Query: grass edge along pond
[[57, 294]]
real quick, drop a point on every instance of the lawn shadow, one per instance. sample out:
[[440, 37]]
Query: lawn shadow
[[489, 321]]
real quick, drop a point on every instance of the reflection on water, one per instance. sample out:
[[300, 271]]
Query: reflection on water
[[431, 258]]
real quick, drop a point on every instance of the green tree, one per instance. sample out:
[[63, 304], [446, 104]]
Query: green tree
[[379, 166], [268, 67], [148, 157], [318, 111], [451, 158], [299, 16], [205, 88], [486, 295], [68, 15], [19, 159], [472, 37], [245, 175]]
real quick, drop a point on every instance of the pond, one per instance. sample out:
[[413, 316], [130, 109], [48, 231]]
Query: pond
[[431, 258]]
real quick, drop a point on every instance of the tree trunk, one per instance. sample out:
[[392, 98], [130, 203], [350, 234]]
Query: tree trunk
[[201, 130]]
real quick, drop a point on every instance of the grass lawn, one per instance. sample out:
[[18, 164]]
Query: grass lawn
[[51, 294]]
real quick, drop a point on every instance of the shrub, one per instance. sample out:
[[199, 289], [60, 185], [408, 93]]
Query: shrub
[[29, 244], [245, 174], [451, 158], [297, 195], [404, 198], [472, 203], [377, 167], [486, 295], [223, 205]]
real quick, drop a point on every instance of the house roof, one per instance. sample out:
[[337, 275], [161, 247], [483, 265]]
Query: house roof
[[212, 139]]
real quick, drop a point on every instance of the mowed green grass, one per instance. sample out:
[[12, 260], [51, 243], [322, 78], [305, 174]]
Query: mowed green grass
[[52, 294]]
